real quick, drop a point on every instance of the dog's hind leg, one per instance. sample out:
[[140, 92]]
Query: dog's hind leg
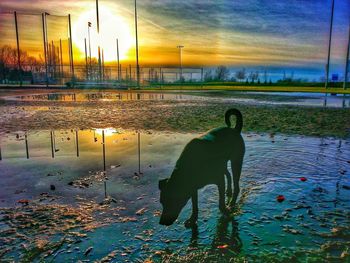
[[191, 222], [229, 185], [221, 187], [236, 165]]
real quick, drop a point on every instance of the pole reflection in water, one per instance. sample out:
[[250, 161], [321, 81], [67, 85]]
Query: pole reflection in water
[[104, 161], [52, 145], [139, 150], [123, 143], [95, 139], [26, 140], [77, 141], [325, 100]]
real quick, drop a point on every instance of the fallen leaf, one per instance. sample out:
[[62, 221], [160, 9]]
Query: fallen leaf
[[280, 198], [222, 246]]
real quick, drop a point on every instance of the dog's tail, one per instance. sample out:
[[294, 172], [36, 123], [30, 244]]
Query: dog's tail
[[239, 119]]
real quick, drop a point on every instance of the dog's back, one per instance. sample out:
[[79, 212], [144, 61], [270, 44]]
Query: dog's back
[[206, 157]]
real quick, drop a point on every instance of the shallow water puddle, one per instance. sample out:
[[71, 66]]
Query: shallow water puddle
[[55, 183], [101, 96], [256, 98]]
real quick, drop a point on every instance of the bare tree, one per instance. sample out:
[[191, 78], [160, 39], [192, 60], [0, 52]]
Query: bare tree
[[240, 74], [208, 75], [8, 56], [9, 66], [222, 73], [253, 76], [265, 76]]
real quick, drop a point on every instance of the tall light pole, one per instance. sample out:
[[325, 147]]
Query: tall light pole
[[118, 59], [61, 59], [103, 65], [347, 62], [137, 48], [45, 49], [86, 60], [89, 25], [180, 47], [329, 45], [98, 35], [18, 51], [71, 45], [48, 55]]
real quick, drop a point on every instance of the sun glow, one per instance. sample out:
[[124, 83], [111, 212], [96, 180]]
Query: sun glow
[[111, 28], [107, 131]]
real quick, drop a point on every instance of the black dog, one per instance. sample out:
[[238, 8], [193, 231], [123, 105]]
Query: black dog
[[203, 162]]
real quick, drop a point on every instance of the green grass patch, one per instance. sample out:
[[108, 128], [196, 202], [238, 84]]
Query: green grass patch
[[272, 88]]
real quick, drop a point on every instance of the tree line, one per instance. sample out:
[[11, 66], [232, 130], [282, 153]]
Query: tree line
[[223, 74], [9, 70]]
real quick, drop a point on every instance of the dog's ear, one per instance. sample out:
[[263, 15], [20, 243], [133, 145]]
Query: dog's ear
[[162, 183]]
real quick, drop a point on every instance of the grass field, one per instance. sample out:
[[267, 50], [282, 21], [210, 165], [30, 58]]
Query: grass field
[[251, 88], [199, 86]]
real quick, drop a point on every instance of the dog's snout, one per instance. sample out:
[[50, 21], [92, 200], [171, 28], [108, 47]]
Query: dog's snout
[[166, 221]]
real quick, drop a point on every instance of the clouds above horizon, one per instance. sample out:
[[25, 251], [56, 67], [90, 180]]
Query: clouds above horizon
[[252, 32]]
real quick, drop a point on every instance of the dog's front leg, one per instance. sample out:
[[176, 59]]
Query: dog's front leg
[[193, 219]]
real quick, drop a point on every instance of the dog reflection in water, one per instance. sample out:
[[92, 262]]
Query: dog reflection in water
[[226, 238], [204, 161]]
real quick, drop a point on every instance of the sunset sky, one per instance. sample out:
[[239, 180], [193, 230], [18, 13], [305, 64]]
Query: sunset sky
[[250, 33]]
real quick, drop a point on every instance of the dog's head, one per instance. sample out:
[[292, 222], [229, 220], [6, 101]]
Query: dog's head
[[172, 200]]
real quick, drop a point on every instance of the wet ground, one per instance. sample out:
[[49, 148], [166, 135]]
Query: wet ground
[[54, 184], [254, 98], [288, 113], [74, 189]]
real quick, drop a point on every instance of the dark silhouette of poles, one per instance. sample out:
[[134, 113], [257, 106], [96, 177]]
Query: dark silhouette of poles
[[161, 77], [347, 62], [118, 62], [47, 39], [180, 47], [103, 65], [48, 51], [129, 72], [121, 74], [137, 48], [329, 45], [86, 60], [18, 51], [98, 35], [45, 48], [89, 25], [61, 60], [53, 59], [71, 46]]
